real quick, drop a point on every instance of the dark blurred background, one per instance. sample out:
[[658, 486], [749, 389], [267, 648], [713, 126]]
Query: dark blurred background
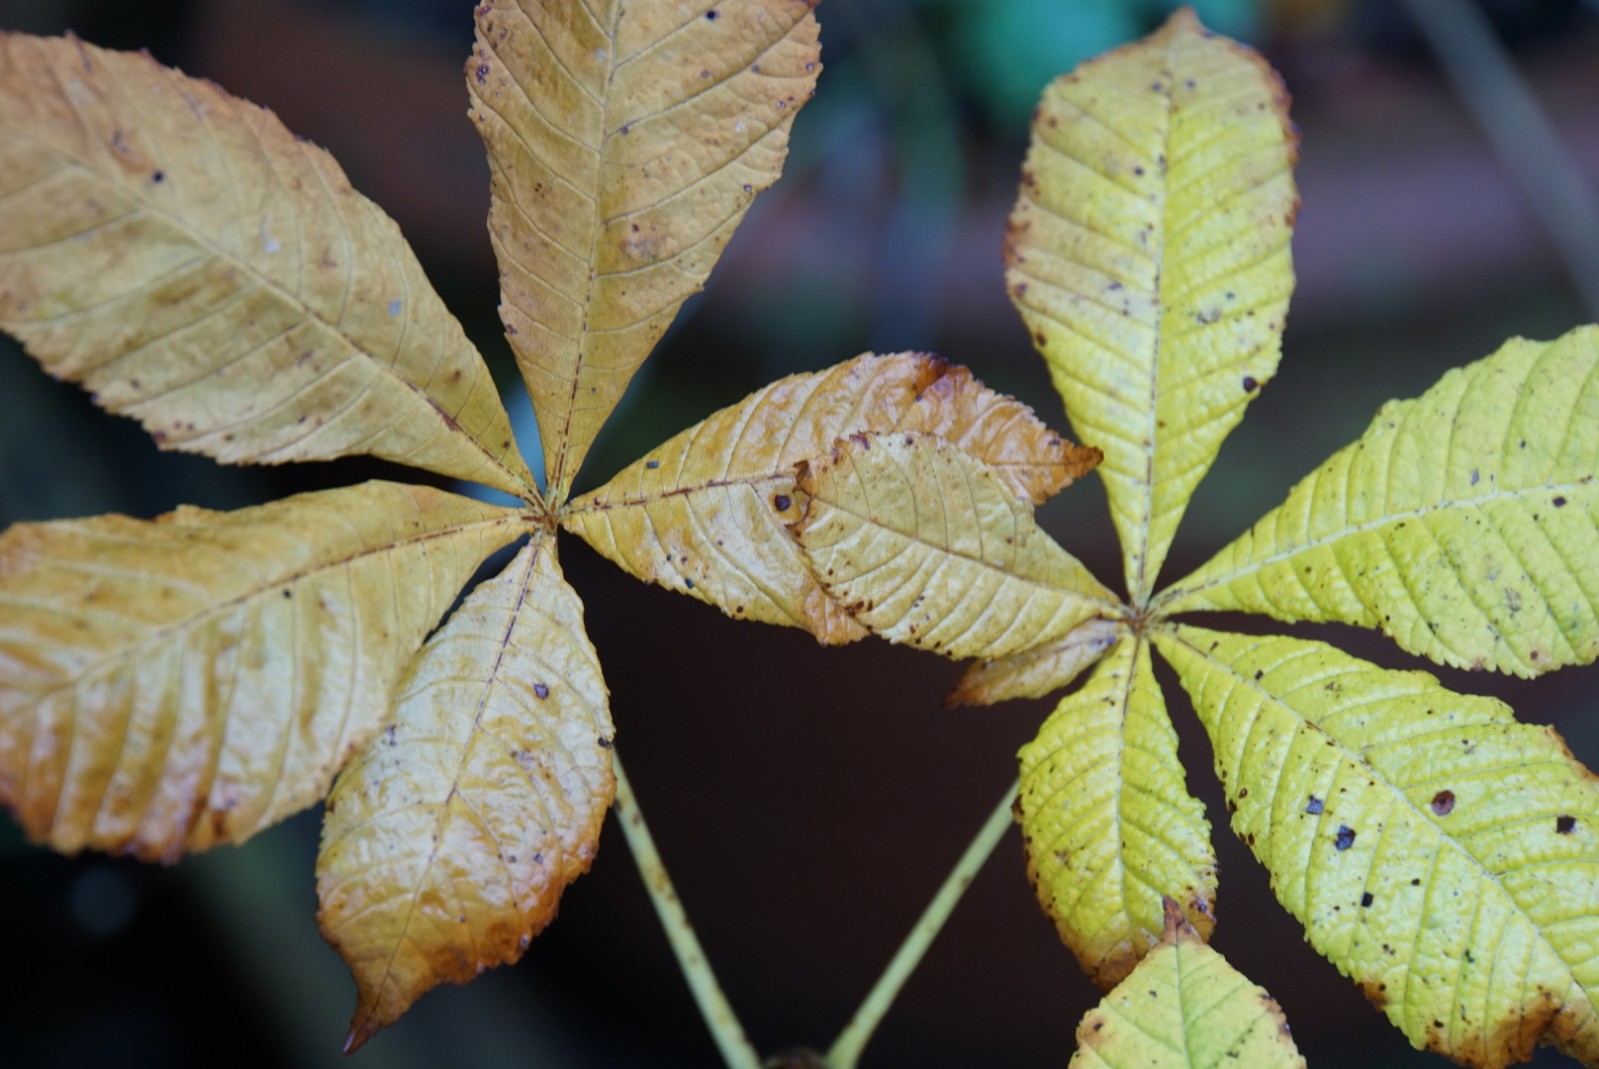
[[808, 801]]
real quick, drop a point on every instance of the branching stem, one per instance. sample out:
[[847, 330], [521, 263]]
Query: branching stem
[[736, 1050], [846, 1050]]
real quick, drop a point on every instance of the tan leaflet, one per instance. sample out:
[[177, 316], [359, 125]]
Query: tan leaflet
[[923, 544], [1035, 672], [196, 266], [173, 684], [626, 141], [448, 840], [704, 512]]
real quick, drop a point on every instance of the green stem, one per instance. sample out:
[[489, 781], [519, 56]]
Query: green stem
[[846, 1050], [736, 1050]]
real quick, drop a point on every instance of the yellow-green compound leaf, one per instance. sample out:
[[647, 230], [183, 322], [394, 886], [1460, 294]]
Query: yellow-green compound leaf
[[1109, 824], [704, 512], [173, 684], [1185, 1007], [626, 140], [448, 840], [1440, 854], [925, 545], [198, 267], [1035, 672], [1148, 254], [1464, 523]]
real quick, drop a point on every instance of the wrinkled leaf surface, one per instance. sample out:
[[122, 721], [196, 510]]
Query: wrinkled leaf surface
[[1108, 822], [173, 684], [1464, 523], [1185, 1007], [925, 545], [626, 141], [448, 840], [1442, 855], [704, 512], [198, 267], [1148, 254]]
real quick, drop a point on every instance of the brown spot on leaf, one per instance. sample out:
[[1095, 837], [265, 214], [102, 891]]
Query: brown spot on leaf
[[1443, 803], [1565, 825]]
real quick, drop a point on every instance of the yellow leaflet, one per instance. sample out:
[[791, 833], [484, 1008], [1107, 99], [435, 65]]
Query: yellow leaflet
[[173, 684], [448, 840], [196, 266], [1035, 672], [1109, 824], [925, 545], [1148, 254], [704, 512], [626, 142], [1464, 523], [1442, 855], [1185, 1007]]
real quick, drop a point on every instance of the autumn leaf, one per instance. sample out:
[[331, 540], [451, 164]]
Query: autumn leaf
[[626, 142], [1185, 1007], [705, 511], [923, 544], [1148, 254], [448, 840], [168, 685], [1038, 670], [1108, 822], [270, 313], [1440, 854], [1464, 523]]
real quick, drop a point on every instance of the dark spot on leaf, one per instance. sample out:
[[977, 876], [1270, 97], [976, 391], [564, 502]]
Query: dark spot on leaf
[[1313, 806], [158, 177], [1474, 478], [1345, 838], [1365, 899], [652, 464], [1560, 502], [1565, 825], [782, 502], [1443, 803], [542, 690], [688, 582], [605, 743], [482, 73], [712, 15], [1251, 384]]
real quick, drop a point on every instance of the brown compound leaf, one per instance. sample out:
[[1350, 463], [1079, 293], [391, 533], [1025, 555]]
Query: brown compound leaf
[[704, 512], [196, 266], [172, 684], [626, 142], [448, 840]]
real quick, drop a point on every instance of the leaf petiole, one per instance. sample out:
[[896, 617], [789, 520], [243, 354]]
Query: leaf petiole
[[846, 1050], [737, 1052]]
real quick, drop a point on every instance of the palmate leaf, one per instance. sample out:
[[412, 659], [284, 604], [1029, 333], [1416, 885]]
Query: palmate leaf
[[1185, 1007], [1439, 853], [173, 684], [1108, 822], [923, 544], [1464, 523], [269, 313], [448, 840], [705, 511], [1148, 254], [626, 141]]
